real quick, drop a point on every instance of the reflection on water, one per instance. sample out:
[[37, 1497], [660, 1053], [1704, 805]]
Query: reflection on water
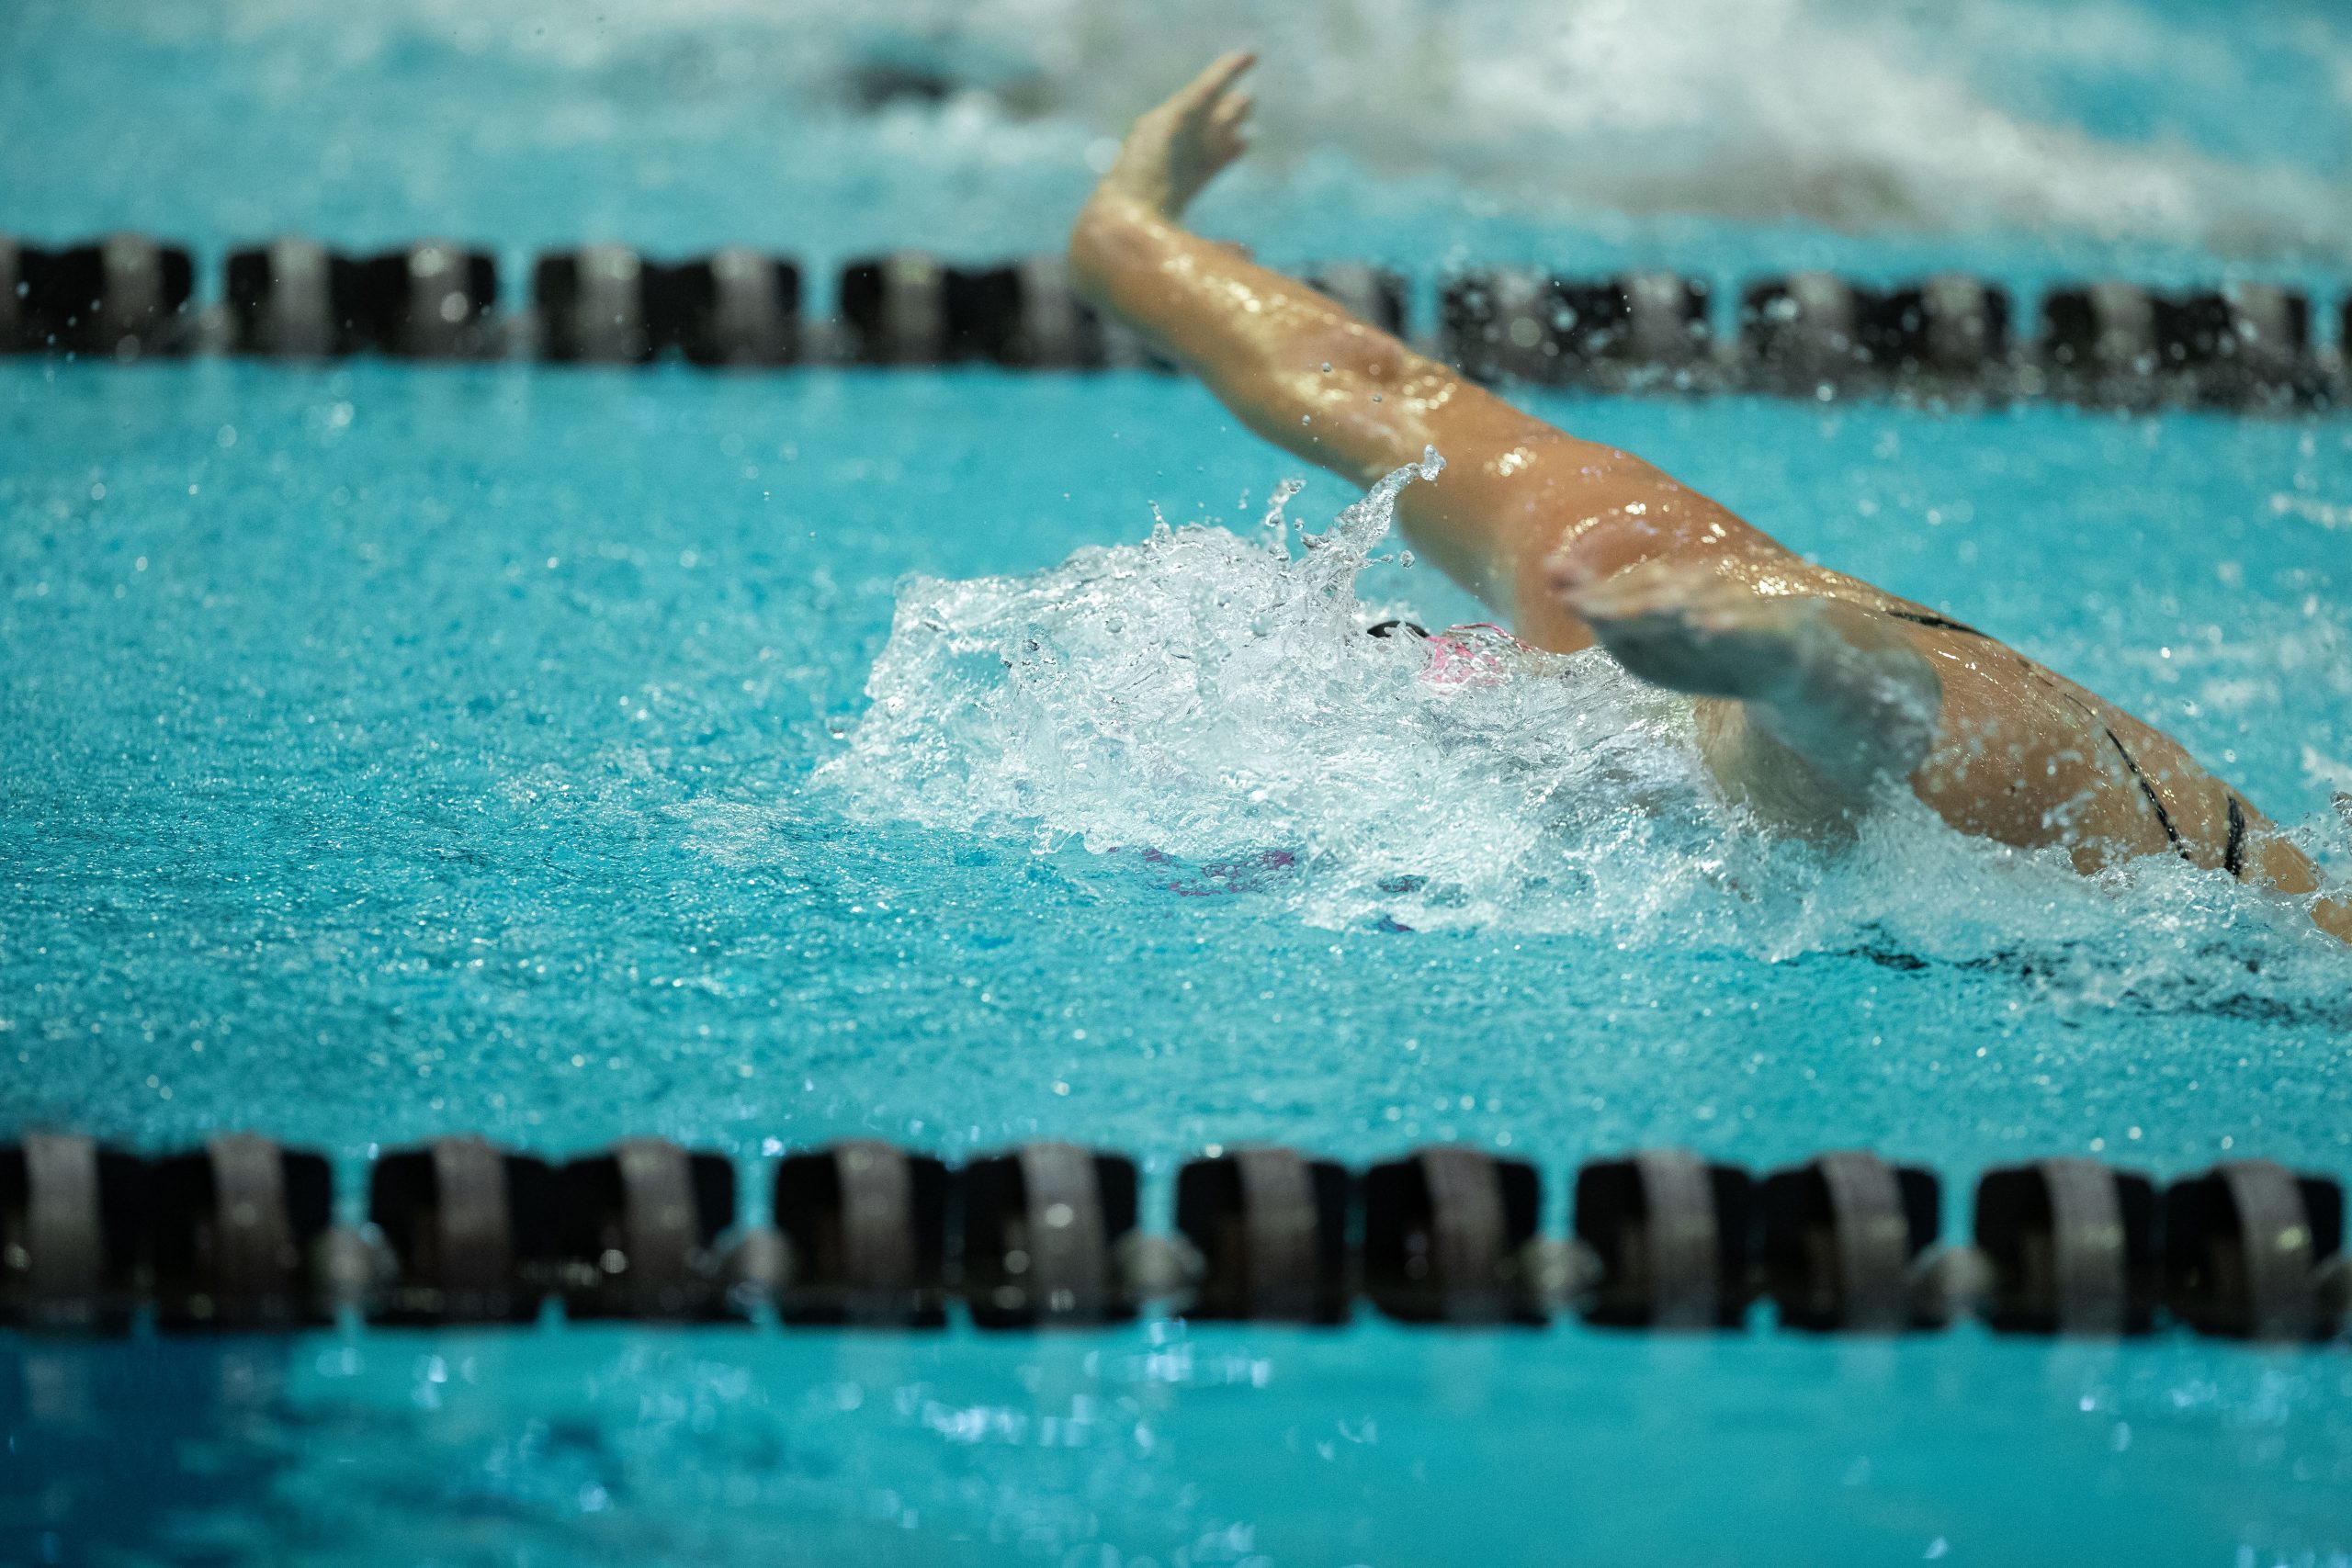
[[143, 1450], [1156, 1444]]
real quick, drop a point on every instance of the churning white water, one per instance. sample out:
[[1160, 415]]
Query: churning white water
[[1210, 702], [1949, 117]]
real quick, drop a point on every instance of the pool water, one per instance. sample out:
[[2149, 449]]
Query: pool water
[[399, 751], [436, 747], [754, 760]]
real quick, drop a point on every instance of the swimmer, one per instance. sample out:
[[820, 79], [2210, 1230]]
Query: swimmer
[[1812, 691]]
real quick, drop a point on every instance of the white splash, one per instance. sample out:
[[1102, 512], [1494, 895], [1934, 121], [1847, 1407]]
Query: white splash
[[1949, 119], [1202, 697], [1210, 708]]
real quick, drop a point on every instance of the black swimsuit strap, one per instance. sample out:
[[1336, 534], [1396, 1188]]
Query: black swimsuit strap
[[2232, 852], [2172, 834], [1942, 623]]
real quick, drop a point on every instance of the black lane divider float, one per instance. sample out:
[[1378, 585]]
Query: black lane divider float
[[239, 1235], [1809, 334]]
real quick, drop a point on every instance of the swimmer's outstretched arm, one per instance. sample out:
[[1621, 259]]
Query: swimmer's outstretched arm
[[1298, 369], [1808, 697]]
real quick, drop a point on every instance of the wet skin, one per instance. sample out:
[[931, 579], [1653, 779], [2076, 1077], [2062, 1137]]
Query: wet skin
[[1812, 692]]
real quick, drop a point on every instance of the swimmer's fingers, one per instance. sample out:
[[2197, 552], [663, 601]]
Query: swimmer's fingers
[[1703, 658], [1212, 111], [1683, 627], [1182, 146], [1206, 92], [1217, 142], [1575, 573], [1649, 587], [1203, 97], [1222, 135]]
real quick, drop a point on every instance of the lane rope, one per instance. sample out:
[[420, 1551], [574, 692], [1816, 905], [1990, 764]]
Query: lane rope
[[240, 1233], [1947, 339]]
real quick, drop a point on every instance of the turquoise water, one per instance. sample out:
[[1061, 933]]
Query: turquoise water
[[387, 751], [447, 764], [436, 747]]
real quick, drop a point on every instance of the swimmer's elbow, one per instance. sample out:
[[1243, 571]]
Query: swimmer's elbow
[[1106, 246]]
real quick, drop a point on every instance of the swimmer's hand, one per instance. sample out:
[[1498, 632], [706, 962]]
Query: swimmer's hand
[[1178, 148], [1833, 683], [1684, 626]]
